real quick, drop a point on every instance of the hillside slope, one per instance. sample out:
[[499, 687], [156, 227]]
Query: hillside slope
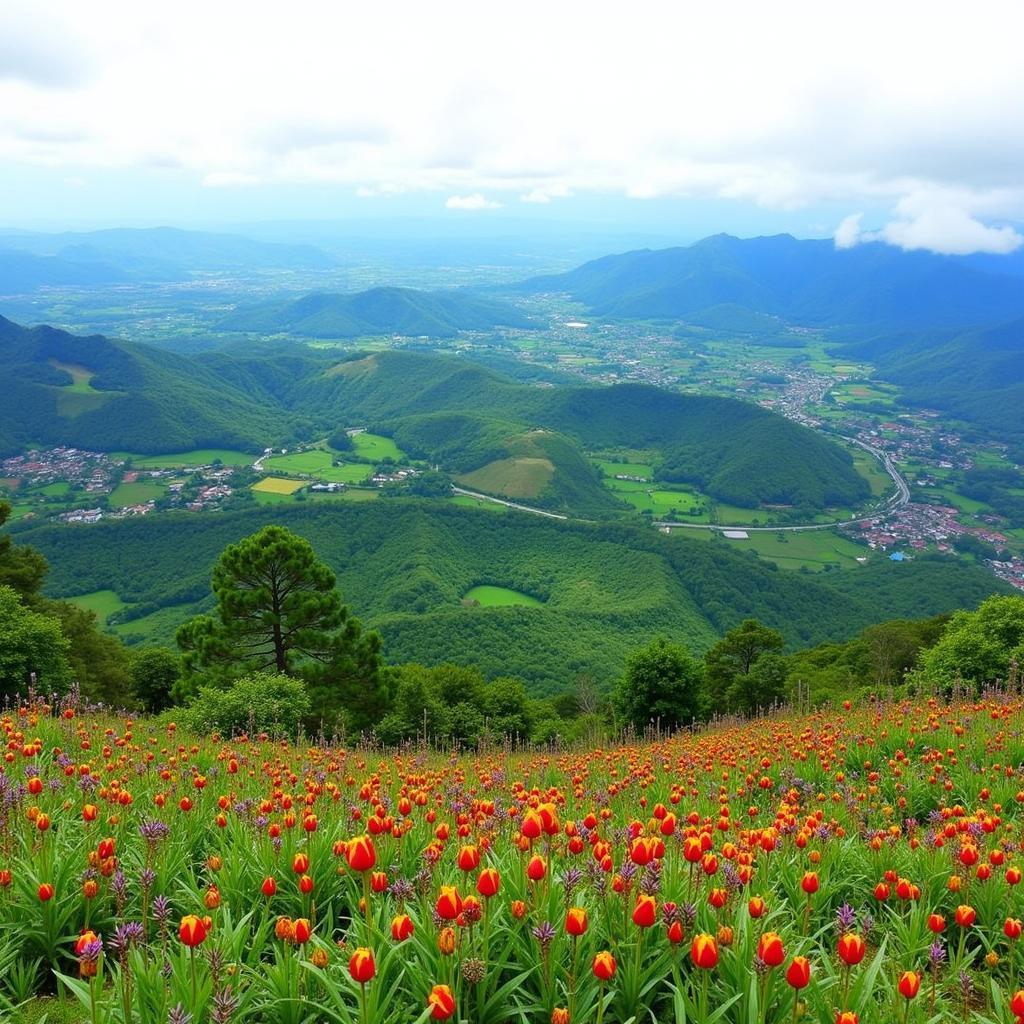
[[405, 566]]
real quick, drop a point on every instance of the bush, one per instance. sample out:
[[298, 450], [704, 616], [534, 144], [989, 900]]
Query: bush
[[262, 702]]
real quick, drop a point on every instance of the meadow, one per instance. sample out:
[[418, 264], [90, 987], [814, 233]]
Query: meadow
[[860, 864]]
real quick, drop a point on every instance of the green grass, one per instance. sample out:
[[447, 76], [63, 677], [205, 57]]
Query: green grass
[[951, 497], [349, 494], [198, 457], [813, 549], [57, 489], [516, 478], [871, 469], [81, 377], [277, 485], [136, 493], [374, 446], [467, 502], [317, 463], [609, 469], [71, 403], [103, 602], [501, 597]]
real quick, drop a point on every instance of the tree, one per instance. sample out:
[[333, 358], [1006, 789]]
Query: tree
[[507, 705], [662, 682], [261, 702], [761, 687], [978, 646], [99, 662], [22, 568], [278, 611], [735, 654], [30, 643], [155, 670]]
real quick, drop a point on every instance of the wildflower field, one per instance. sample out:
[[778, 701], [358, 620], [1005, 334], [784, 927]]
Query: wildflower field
[[858, 864]]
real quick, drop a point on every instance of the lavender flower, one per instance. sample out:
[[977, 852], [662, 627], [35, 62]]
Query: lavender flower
[[179, 1015], [544, 933], [846, 918], [937, 954]]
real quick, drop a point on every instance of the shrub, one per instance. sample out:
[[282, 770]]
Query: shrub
[[262, 702]]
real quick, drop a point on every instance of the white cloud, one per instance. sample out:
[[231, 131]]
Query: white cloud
[[229, 179], [848, 234], [952, 231], [471, 202], [681, 100]]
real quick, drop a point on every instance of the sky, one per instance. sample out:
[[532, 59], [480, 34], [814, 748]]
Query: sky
[[897, 121]]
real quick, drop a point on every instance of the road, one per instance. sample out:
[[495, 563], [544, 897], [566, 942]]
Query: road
[[898, 500]]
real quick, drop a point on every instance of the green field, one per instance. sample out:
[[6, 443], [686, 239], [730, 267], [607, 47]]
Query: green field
[[515, 478], [811, 549], [610, 469], [198, 457], [81, 377], [871, 469], [136, 493], [349, 494], [467, 502], [374, 446], [317, 463], [501, 597], [71, 403], [58, 489], [277, 485], [950, 497], [103, 602]]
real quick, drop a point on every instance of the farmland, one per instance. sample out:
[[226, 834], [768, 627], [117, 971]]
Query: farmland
[[500, 597], [823, 866]]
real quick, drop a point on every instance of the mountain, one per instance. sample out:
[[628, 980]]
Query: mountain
[[406, 311], [405, 567], [805, 282], [142, 254], [99, 393], [975, 375]]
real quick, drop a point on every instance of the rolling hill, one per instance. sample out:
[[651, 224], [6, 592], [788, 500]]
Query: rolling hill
[[405, 566], [98, 393], [808, 282], [405, 311]]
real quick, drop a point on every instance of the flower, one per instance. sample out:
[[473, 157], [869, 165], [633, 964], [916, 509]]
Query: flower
[[576, 921], [965, 916], [755, 907], [361, 853], [401, 928], [300, 863], [645, 913], [192, 930], [488, 883], [604, 966], [851, 949], [1017, 1003], [469, 858], [302, 930], [909, 984], [704, 951], [45, 892], [361, 965], [559, 1015], [446, 941], [449, 903], [847, 1017], [441, 1002], [809, 883], [269, 886], [1012, 928], [936, 923], [536, 869], [770, 949], [798, 974]]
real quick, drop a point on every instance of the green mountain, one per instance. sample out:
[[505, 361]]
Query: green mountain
[[804, 281], [405, 566], [405, 311], [976, 375], [104, 394]]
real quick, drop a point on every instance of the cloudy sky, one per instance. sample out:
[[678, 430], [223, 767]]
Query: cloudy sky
[[898, 120]]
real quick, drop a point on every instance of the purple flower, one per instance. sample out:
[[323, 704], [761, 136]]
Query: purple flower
[[846, 918]]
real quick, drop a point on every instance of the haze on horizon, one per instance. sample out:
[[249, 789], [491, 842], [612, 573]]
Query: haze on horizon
[[896, 122]]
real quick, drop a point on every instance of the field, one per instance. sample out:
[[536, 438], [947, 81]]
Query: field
[[277, 485], [810, 549], [186, 460], [318, 463], [136, 493], [374, 446], [859, 864], [81, 377], [501, 597], [514, 478], [102, 602]]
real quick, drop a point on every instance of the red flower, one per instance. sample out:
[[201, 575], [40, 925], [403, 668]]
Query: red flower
[[770, 949], [851, 949], [1012, 928], [469, 858], [704, 951], [302, 930], [576, 921], [809, 883], [536, 869], [360, 853], [909, 984], [269, 886], [965, 916], [441, 1002], [798, 974], [604, 966], [45, 892], [936, 923], [401, 928], [645, 912], [192, 930], [488, 883], [361, 966], [756, 907], [449, 903]]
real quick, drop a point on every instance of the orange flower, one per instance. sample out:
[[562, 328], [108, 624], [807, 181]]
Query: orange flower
[[809, 883], [798, 974], [704, 951], [909, 984], [936, 923], [604, 966], [965, 916], [645, 913], [192, 930], [285, 929], [851, 949], [770, 949], [559, 1015], [488, 883], [576, 921], [302, 931], [401, 928], [441, 1002], [847, 1017], [361, 966], [518, 909], [361, 853], [756, 907], [446, 941], [449, 903]]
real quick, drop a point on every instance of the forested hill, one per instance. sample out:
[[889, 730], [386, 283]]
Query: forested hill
[[112, 395], [804, 281], [405, 566], [98, 393], [406, 311]]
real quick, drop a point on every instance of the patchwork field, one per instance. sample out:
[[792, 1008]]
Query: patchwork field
[[814, 550], [198, 457], [318, 463], [277, 485], [374, 446], [136, 493]]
